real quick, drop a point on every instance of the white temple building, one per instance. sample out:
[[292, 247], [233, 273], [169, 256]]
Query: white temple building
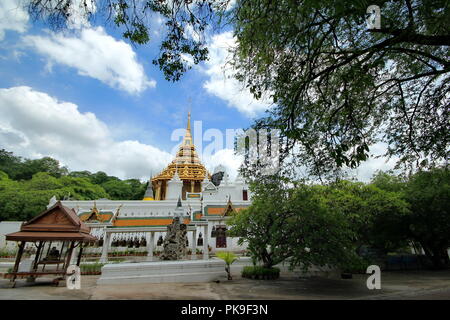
[[184, 188]]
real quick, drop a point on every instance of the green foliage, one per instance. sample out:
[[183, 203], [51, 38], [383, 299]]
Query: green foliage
[[319, 224], [258, 272], [338, 88], [91, 267], [428, 192], [229, 258], [24, 169], [7, 252], [185, 22], [24, 197], [388, 181], [117, 189]]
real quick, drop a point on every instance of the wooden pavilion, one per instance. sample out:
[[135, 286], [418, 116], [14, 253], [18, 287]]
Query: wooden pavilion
[[56, 227]]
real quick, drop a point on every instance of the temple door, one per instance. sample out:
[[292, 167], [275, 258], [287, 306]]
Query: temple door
[[221, 237]]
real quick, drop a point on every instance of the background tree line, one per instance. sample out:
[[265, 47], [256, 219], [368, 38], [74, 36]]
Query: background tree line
[[329, 224], [26, 185]]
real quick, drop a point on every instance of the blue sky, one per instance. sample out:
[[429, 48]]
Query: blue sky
[[132, 100], [93, 101]]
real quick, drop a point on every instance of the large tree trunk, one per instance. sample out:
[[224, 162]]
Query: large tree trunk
[[267, 259]]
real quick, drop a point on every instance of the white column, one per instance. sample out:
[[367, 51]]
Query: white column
[[205, 242], [151, 244], [74, 258], [194, 241], [105, 248]]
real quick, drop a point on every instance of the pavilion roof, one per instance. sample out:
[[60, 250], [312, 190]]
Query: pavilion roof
[[56, 223]]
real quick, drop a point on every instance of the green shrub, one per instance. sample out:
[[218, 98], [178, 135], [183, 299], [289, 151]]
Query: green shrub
[[7, 252], [258, 272], [91, 268], [357, 265]]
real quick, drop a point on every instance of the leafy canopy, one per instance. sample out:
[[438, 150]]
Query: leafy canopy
[[337, 87]]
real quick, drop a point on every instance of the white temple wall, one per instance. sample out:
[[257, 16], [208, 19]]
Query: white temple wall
[[7, 227]]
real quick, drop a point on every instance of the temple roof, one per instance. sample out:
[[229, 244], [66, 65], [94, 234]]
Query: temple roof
[[186, 161]]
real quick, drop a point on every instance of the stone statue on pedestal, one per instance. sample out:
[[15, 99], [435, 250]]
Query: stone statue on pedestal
[[175, 241]]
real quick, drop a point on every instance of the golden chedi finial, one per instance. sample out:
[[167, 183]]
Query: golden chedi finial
[[186, 163]]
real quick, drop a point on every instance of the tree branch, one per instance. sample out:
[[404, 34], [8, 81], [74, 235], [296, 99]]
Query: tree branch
[[406, 35]]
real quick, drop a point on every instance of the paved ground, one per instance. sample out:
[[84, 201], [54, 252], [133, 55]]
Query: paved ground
[[430, 285]]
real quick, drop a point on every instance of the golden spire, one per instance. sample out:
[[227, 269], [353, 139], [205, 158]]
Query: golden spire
[[187, 141], [189, 122], [186, 165]]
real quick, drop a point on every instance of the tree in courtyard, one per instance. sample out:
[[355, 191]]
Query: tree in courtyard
[[428, 219], [295, 223], [376, 215], [322, 225], [337, 86], [428, 193], [263, 225]]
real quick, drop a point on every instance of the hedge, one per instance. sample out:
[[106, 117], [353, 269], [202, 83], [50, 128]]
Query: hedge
[[257, 272]]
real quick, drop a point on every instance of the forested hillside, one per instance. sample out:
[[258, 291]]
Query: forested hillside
[[27, 185]]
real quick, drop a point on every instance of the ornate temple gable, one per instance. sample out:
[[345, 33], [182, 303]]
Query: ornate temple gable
[[229, 209], [57, 217], [96, 216], [90, 217], [210, 187], [211, 210]]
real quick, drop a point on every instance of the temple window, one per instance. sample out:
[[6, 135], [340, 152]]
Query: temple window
[[244, 195]]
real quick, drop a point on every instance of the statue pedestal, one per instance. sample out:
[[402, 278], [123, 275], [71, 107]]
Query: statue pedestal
[[163, 271]]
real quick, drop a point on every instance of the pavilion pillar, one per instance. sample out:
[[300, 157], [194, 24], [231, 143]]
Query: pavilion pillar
[[192, 185], [19, 256], [105, 248], [69, 255], [151, 245], [16, 264], [80, 253], [34, 266], [37, 256], [205, 242]]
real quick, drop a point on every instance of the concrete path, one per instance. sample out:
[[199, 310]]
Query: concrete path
[[394, 285]]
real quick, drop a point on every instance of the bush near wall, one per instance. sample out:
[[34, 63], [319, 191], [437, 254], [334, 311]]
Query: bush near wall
[[261, 273], [6, 252], [91, 268]]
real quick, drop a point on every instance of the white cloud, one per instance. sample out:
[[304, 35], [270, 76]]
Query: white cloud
[[366, 170], [34, 124], [221, 82], [95, 54], [12, 17], [226, 158]]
